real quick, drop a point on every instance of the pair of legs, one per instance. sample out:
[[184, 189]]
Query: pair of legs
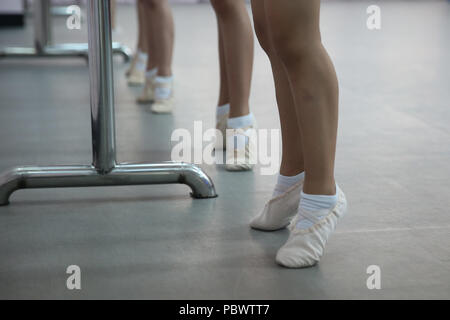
[[306, 89], [307, 96], [235, 55], [155, 40]]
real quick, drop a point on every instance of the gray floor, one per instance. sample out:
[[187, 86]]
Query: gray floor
[[393, 162]]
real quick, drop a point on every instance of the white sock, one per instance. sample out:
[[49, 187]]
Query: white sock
[[285, 182], [241, 122], [222, 110], [141, 62], [163, 92], [313, 208], [150, 74]]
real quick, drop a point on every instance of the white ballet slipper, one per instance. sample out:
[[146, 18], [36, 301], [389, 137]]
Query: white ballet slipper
[[163, 106], [305, 247], [221, 126], [132, 65], [148, 93], [241, 159], [136, 78], [279, 211]]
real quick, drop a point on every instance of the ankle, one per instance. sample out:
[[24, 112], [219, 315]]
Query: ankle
[[240, 122], [163, 72], [151, 73], [285, 182], [163, 87], [243, 110], [222, 110], [291, 170], [318, 187]]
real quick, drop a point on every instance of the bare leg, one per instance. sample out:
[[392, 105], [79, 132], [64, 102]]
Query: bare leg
[[160, 41], [147, 35], [237, 39], [142, 42], [294, 28], [160, 36], [136, 72], [113, 14], [224, 96], [292, 161]]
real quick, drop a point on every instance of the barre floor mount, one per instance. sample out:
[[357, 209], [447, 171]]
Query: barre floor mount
[[104, 171]]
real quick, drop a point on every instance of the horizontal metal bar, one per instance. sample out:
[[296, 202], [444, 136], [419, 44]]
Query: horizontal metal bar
[[123, 174], [62, 50], [60, 11]]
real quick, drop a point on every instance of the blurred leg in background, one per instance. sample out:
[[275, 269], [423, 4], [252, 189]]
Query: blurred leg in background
[[136, 72], [113, 14], [160, 34]]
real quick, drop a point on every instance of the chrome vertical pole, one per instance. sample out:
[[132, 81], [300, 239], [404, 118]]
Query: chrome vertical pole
[[104, 171], [42, 26], [102, 85]]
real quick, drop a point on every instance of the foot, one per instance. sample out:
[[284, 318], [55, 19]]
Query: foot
[[136, 78], [305, 246], [241, 149], [164, 100], [148, 94], [163, 106], [279, 211], [221, 126], [132, 65], [136, 72]]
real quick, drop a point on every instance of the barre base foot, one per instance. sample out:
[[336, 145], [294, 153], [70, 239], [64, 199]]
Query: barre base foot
[[121, 175]]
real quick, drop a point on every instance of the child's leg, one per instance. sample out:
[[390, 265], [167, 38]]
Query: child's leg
[[161, 35], [294, 26], [224, 96], [279, 211], [160, 40], [237, 41], [295, 32]]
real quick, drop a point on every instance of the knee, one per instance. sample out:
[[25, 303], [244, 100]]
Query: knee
[[262, 34], [293, 46], [286, 46]]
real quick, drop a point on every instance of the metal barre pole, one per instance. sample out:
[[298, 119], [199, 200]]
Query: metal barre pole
[[42, 28], [102, 86], [104, 171]]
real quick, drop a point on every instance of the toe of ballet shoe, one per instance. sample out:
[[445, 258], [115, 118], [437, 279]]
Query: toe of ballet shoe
[[278, 211], [295, 259], [258, 223], [161, 108], [239, 167]]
